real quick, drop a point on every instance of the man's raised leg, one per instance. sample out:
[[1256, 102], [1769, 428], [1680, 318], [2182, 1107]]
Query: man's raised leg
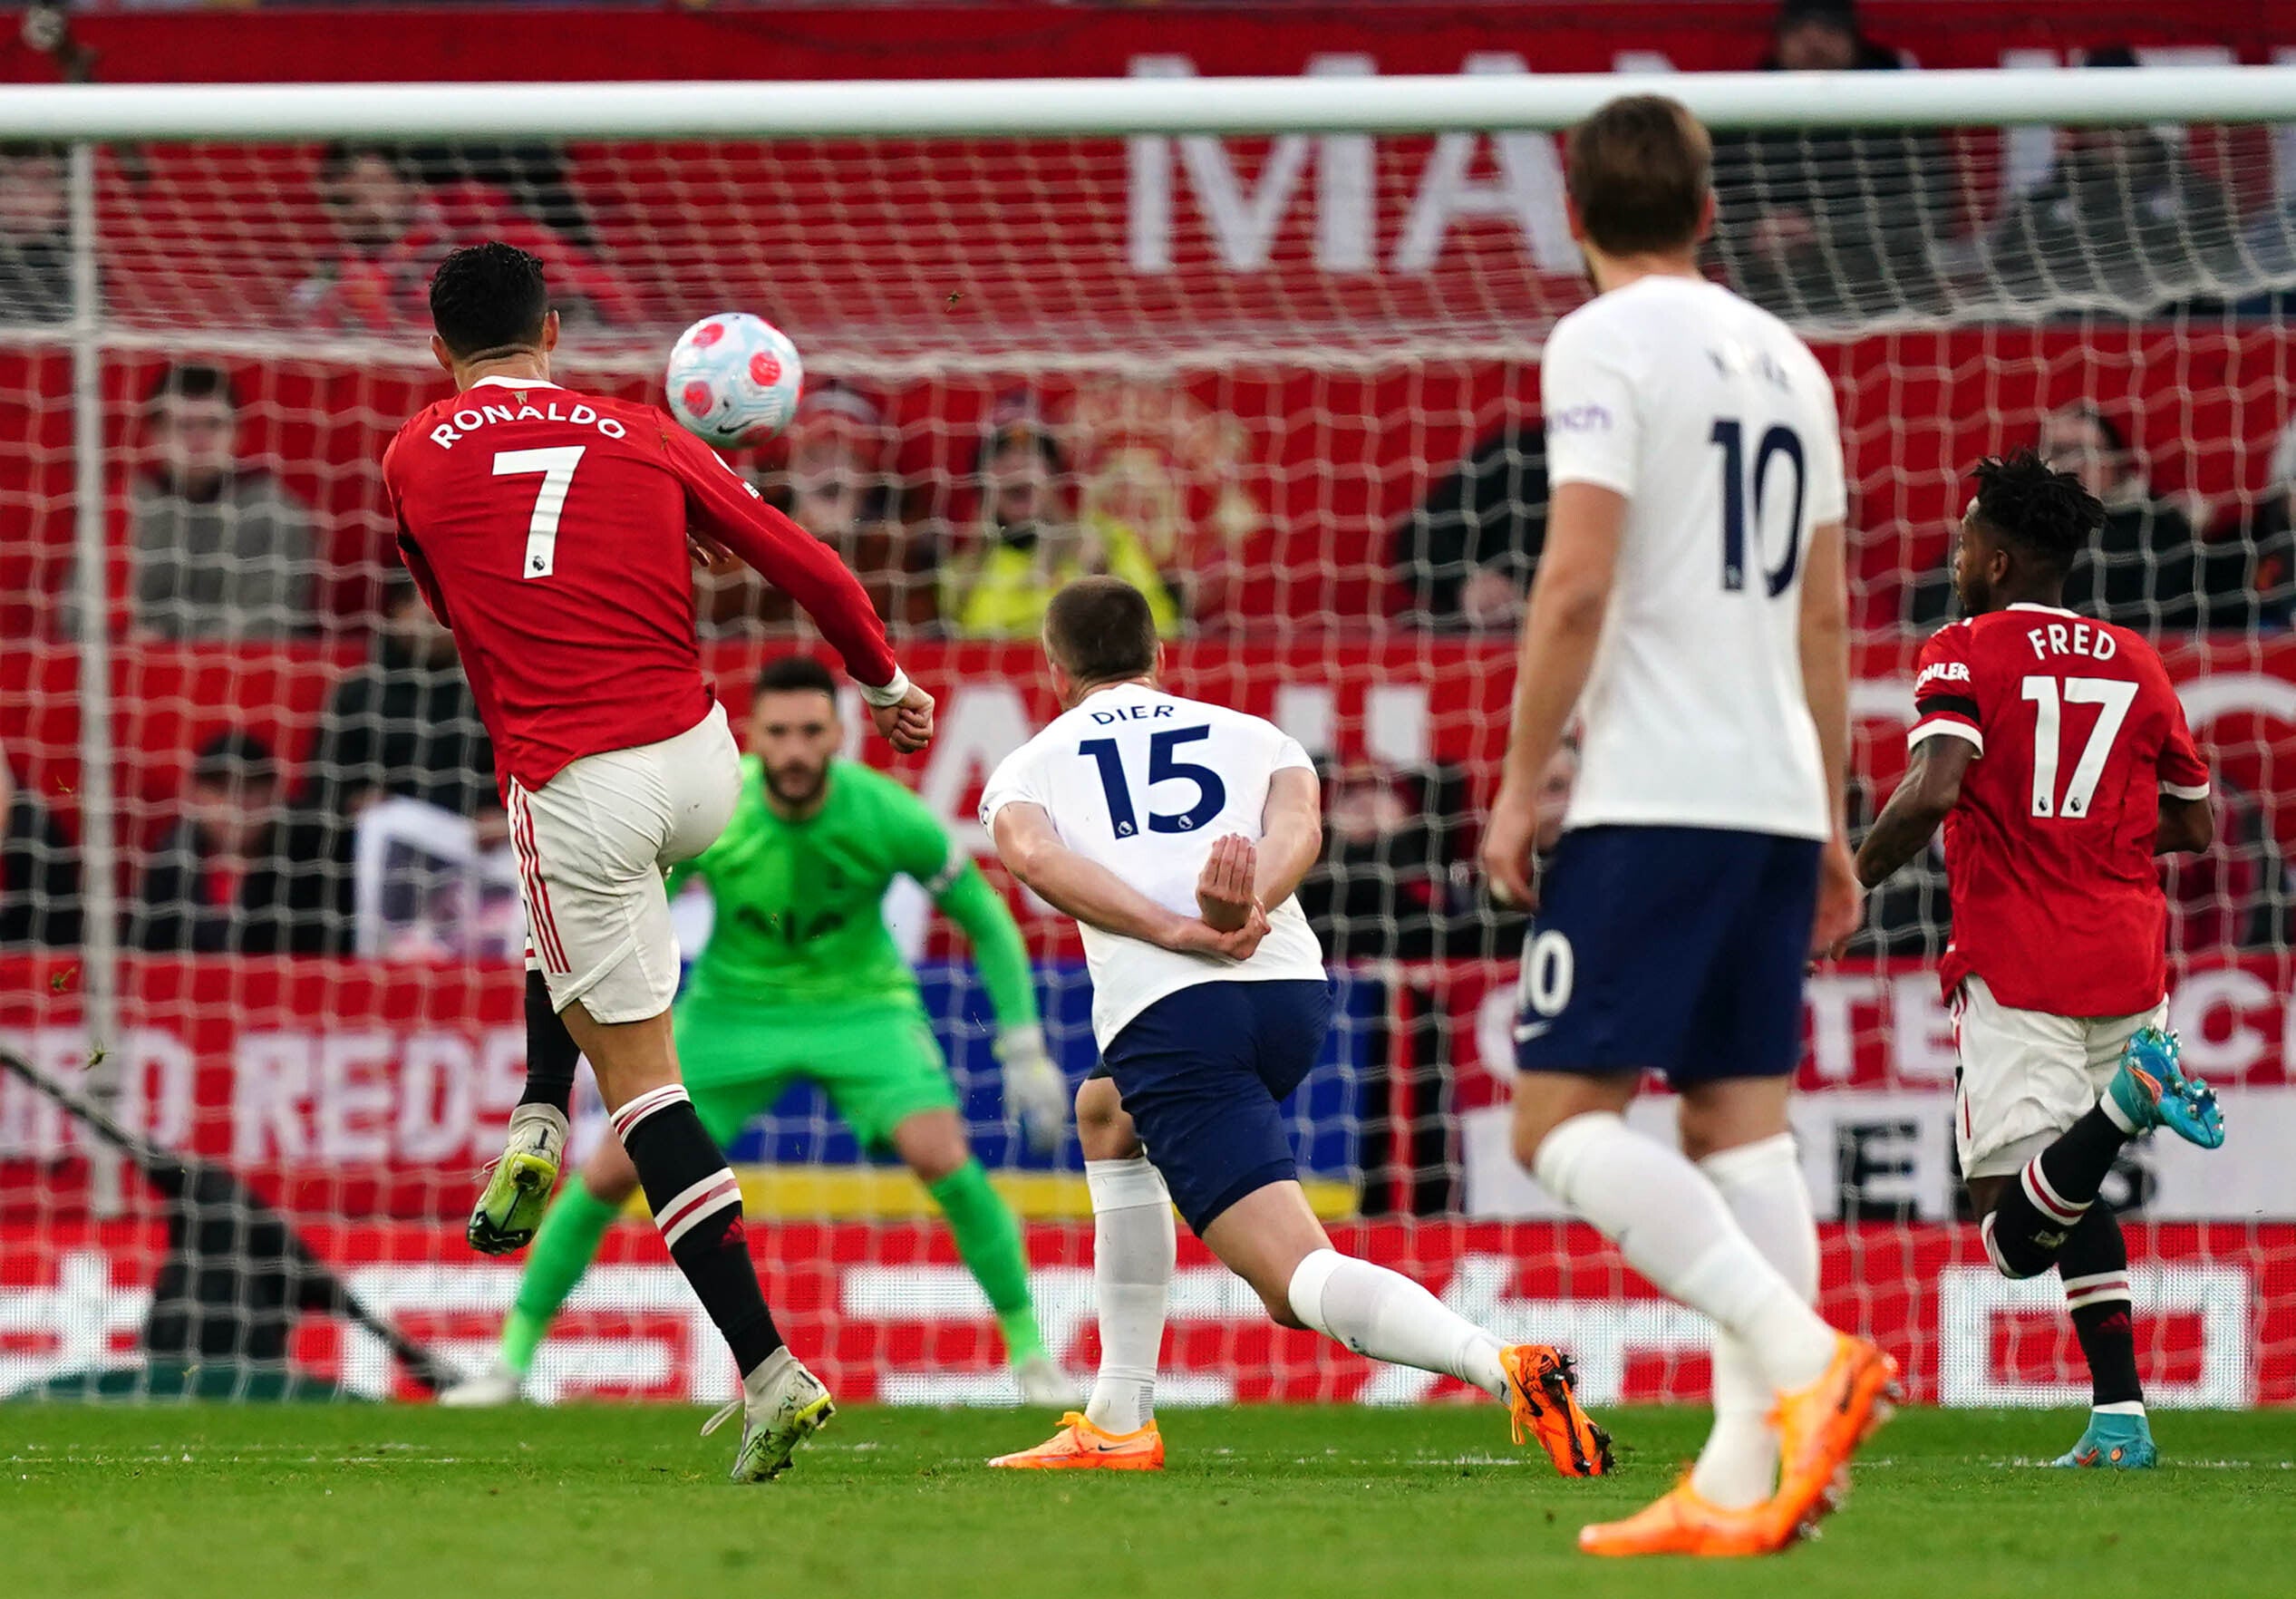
[[697, 1206], [519, 1188], [1271, 1239]]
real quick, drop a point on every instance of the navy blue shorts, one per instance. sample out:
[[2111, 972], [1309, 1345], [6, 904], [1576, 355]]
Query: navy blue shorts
[[1678, 950], [1204, 1073]]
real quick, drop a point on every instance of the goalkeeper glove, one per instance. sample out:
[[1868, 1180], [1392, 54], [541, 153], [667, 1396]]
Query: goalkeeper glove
[[1034, 1088]]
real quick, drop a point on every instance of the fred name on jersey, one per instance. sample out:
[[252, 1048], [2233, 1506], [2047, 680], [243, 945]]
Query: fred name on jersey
[[2072, 638], [471, 418]]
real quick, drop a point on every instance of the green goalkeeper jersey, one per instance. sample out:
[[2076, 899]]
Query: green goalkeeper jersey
[[799, 915]]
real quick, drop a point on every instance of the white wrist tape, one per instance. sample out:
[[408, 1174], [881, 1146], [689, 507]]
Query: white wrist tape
[[892, 693]]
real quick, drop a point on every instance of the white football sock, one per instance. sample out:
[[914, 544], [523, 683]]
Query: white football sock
[[1672, 1226], [1133, 1244], [1386, 1315], [1762, 1185]]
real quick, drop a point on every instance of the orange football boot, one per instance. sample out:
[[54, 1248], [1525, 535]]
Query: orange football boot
[[1821, 1426], [1682, 1523], [1540, 1404], [1079, 1446]]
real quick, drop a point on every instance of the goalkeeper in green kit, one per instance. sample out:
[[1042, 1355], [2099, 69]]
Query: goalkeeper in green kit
[[800, 982]]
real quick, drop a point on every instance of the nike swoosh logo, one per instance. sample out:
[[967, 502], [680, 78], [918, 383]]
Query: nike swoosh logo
[[1527, 1031]]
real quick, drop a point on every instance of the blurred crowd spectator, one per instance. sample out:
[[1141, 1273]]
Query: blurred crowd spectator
[[36, 248], [405, 723], [396, 212], [1028, 537], [218, 549], [39, 872], [1830, 223], [1464, 555], [237, 871], [2122, 218], [2141, 568]]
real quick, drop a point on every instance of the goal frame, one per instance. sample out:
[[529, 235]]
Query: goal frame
[[85, 116]]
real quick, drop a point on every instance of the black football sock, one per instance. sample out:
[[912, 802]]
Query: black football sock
[[697, 1206], [551, 1051], [2094, 1263], [2038, 1211]]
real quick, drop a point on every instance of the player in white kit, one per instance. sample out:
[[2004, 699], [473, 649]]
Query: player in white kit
[[1175, 832], [1689, 606]]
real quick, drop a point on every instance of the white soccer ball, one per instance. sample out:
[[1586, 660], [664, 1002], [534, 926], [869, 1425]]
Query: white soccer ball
[[734, 379]]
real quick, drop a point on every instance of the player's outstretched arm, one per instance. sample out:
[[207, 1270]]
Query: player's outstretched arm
[[1561, 628], [1032, 849], [2186, 826], [1930, 789], [725, 512]]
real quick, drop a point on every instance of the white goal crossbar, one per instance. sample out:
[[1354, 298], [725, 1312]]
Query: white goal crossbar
[[1022, 108]]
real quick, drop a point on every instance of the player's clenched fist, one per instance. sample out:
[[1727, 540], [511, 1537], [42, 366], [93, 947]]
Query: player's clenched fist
[[907, 722], [1225, 890], [1507, 846]]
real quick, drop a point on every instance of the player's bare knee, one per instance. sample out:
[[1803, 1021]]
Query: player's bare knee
[[608, 1173], [1102, 1129], [932, 1145], [1731, 1113], [1279, 1310], [1545, 1101], [1529, 1134]]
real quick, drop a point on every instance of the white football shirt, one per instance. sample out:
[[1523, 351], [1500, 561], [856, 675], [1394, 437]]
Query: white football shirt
[[1718, 425], [1143, 782]]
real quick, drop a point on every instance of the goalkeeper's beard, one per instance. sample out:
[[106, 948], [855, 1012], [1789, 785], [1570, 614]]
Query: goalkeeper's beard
[[798, 788]]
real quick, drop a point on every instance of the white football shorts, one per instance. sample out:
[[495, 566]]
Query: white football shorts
[[592, 845], [2026, 1076]]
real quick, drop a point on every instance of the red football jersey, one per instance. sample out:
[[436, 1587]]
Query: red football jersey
[[548, 530], [2057, 898]]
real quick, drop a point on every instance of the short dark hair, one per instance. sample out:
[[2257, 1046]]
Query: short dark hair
[[1102, 630], [2116, 437], [1639, 169], [1838, 13], [341, 155], [489, 296], [234, 756], [192, 380], [2036, 509], [794, 674]]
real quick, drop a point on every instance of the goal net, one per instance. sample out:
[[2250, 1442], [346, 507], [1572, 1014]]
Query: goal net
[[261, 908]]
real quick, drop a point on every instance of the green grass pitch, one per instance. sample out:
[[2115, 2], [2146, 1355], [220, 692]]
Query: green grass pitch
[[329, 1502]]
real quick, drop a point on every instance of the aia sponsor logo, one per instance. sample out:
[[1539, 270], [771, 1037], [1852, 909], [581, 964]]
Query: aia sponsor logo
[[1580, 419]]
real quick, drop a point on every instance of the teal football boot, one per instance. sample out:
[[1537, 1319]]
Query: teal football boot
[[2113, 1443], [2152, 1091]]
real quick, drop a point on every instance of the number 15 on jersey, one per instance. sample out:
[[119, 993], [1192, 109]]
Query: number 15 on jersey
[[1164, 766]]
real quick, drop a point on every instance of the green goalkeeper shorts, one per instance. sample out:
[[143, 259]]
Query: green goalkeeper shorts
[[879, 1063]]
